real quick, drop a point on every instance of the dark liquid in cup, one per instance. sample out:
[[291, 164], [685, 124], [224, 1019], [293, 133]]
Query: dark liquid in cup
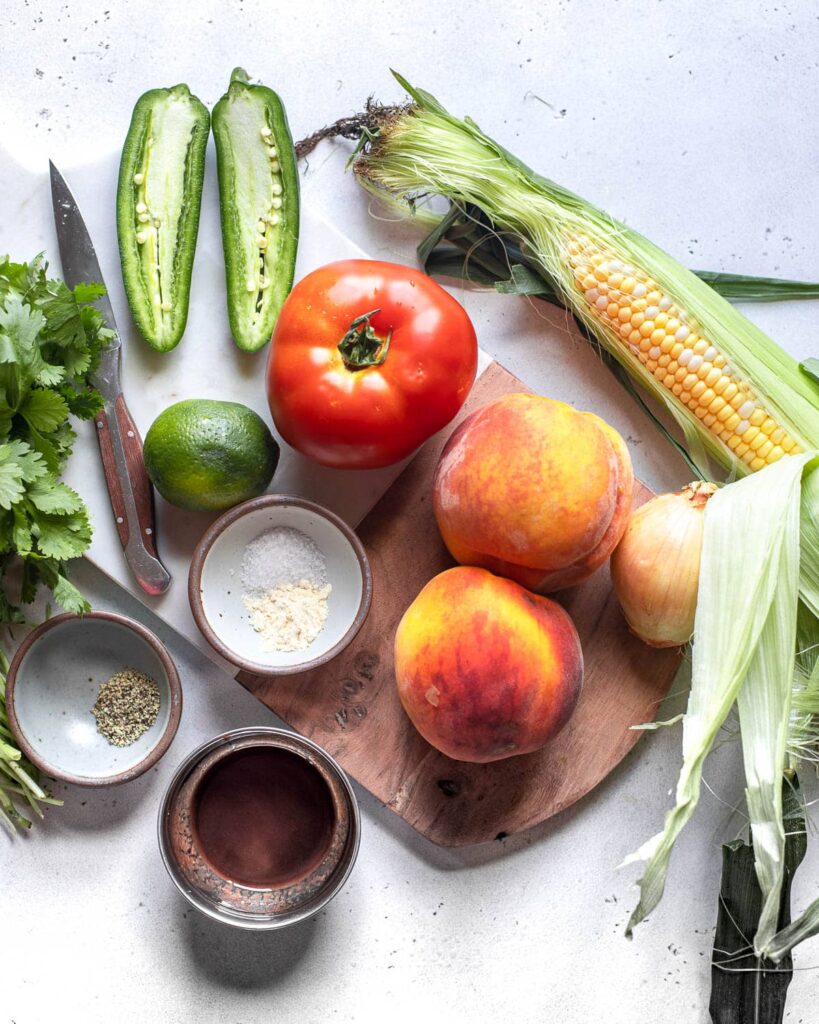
[[263, 817]]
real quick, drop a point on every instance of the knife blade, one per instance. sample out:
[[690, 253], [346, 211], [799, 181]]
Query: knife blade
[[130, 490]]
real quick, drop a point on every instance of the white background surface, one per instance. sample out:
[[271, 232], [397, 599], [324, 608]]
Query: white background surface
[[694, 122]]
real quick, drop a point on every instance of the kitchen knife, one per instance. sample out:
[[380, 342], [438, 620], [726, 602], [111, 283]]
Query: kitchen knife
[[130, 490]]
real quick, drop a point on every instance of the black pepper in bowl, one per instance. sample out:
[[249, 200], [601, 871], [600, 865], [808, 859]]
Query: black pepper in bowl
[[127, 706]]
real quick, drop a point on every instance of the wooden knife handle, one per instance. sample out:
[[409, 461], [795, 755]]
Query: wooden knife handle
[[150, 573], [109, 467]]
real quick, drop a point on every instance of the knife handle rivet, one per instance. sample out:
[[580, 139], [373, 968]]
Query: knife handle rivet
[[149, 531], [130, 433], [120, 519], [100, 424]]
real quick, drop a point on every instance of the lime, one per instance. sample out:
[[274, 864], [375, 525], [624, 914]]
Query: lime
[[208, 455]]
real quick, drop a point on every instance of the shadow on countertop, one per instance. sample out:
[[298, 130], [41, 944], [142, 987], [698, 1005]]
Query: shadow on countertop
[[240, 959]]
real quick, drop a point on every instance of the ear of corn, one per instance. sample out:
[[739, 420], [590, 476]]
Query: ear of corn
[[644, 320]]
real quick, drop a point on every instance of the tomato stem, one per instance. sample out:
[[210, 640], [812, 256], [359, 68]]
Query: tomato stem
[[361, 346]]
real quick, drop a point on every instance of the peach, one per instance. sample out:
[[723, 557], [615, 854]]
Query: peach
[[485, 669], [529, 488]]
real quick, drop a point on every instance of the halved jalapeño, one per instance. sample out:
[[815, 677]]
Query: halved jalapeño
[[259, 198], [158, 201]]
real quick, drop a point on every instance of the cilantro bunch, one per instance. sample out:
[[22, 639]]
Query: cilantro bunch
[[51, 340], [19, 779]]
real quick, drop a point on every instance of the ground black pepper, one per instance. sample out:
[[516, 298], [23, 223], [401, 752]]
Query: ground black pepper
[[126, 707]]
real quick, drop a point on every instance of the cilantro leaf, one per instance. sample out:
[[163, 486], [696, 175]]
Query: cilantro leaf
[[62, 537], [51, 495], [49, 376], [89, 292], [84, 404], [44, 410], [67, 595], [12, 487], [21, 531], [30, 462], [46, 448], [20, 326]]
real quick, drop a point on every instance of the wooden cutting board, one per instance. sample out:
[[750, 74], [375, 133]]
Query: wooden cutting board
[[350, 706]]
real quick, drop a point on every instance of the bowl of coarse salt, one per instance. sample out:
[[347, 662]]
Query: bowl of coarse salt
[[279, 585]]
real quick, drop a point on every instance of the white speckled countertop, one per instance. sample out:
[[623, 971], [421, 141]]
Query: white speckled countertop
[[691, 120]]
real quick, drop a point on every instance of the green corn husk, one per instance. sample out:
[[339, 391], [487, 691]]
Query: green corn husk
[[759, 588]]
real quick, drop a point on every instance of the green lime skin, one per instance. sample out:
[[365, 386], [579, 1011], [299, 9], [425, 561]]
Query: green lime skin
[[207, 456]]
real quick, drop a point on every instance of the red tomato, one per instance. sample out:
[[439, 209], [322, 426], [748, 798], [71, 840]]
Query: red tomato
[[368, 360]]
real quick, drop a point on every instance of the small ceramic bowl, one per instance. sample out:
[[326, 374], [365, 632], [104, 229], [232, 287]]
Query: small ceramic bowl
[[215, 583], [53, 683], [219, 897]]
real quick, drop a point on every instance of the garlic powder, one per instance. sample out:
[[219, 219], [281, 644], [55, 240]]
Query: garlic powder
[[290, 616]]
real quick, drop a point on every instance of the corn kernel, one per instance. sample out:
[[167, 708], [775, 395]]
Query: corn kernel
[[725, 413], [750, 434]]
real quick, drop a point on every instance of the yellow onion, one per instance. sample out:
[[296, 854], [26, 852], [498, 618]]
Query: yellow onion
[[656, 566]]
